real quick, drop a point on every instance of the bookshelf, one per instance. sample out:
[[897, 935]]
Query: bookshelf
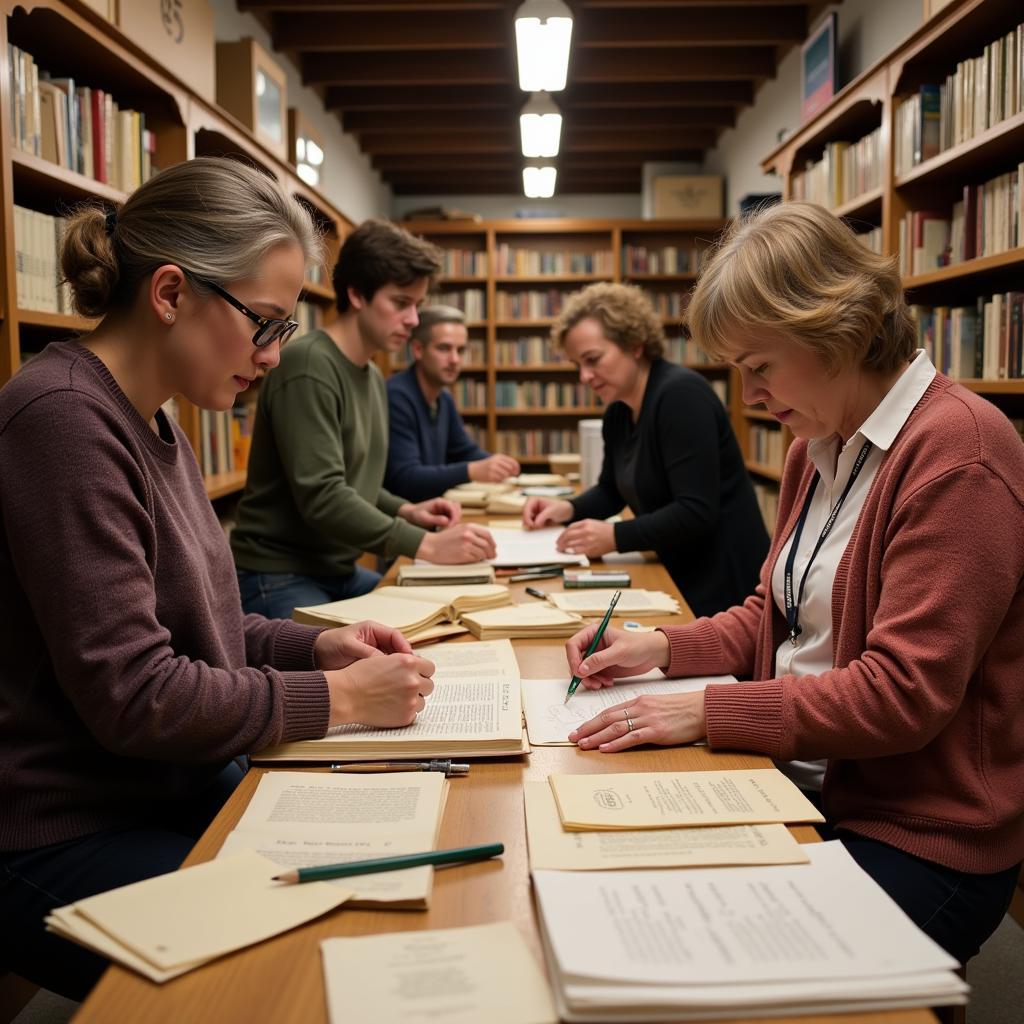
[[927, 180], [522, 271], [64, 38]]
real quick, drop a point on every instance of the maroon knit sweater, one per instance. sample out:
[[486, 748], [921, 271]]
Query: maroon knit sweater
[[128, 675], [922, 718]]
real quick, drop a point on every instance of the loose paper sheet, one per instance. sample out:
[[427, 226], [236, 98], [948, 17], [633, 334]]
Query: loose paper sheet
[[743, 796], [453, 975], [532, 547], [742, 925], [553, 848], [549, 720], [304, 819], [595, 601], [202, 912]]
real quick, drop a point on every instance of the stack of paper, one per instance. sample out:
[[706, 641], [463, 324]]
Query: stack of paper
[[509, 504], [554, 848], [475, 494], [416, 620], [522, 622], [304, 819], [425, 574], [741, 796], [451, 976], [595, 601], [713, 943], [549, 720], [532, 547], [540, 480], [474, 711], [168, 925]]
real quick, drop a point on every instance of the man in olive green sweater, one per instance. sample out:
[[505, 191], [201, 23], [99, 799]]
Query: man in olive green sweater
[[314, 499]]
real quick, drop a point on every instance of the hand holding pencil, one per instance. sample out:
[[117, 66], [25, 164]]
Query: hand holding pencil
[[617, 653]]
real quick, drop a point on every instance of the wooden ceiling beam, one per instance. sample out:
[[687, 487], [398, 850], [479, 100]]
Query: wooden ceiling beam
[[472, 142], [596, 140], [449, 67], [359, 122], [662, 94], [655, 117], [388, 162], [424, 97], [679, 64], [703, 26], [372, 6], [413, 31]]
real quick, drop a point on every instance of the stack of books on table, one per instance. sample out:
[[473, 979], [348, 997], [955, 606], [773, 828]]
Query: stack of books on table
[[521, 622], [425, 574], [789, 931], [474, 711]]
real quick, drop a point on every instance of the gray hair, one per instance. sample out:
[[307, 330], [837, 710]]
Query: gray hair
[[215, 218], [430, 316]]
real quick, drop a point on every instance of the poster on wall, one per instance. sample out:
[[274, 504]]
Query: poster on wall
[[818, 69]]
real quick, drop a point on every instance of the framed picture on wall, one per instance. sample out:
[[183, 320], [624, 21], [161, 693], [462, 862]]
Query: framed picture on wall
[[818, 68]]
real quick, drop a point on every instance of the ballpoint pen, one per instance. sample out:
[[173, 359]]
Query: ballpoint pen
[[371, 767], [534, 592], [398, 863], [592, 646]]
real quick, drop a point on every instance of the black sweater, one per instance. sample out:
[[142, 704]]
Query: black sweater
[[680, 470]]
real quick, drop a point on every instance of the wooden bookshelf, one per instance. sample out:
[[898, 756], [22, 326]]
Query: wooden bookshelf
[[958, 32], [63, 37], [555, 244]]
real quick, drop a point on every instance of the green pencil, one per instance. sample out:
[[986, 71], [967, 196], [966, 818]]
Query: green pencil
[[592, 646], [405, 860]]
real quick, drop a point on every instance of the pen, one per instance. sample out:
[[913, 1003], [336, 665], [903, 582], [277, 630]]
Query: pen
[[370, 767], [592, 646], [534, 592], [537, 574], [405, 860]]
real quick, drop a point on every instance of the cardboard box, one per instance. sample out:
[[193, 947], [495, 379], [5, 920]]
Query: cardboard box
[[253, 86], [694, 196], [179, 33]]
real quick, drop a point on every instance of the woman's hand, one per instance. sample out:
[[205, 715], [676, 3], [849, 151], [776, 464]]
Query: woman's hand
[[437, 513], [666, 719], [541, 512], [467, 542], [338, 648], [618, 654], [590, 537], [387, 692]]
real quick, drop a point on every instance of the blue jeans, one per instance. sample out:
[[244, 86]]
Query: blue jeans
[[277, 594], [34, 882]]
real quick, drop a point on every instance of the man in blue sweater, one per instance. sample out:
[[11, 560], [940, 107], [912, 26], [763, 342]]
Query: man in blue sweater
[[429, 450]]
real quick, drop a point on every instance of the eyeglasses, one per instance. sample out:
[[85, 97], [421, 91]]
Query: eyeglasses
[[268, 329]]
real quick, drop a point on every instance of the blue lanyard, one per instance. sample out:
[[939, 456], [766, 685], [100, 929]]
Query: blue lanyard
[[793, 609]]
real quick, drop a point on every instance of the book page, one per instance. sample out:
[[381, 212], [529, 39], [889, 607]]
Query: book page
[[203, 911], [552, 848], [737, 925], [452, 975], [522, 616], [532, 547], [549, 720], [742, 796], [390, 610], [476, 697], [305, 819]]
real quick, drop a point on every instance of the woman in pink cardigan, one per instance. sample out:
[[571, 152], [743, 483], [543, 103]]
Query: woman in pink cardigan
[[884, 644]]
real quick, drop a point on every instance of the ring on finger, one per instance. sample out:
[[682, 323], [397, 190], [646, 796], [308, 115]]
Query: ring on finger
[[630, 725]]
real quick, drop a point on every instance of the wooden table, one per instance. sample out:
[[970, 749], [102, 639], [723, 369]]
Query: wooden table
[[280, 981]]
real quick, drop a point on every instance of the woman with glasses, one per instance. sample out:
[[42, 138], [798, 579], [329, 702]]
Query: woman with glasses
[[129, 677]]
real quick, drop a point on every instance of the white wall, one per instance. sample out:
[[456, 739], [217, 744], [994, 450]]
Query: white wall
[[504, 206], [868, 30], [348, 180]]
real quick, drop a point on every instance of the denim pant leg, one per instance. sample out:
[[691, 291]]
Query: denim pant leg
[[957, 909], [362, 581], [34, 882], [277, 594]]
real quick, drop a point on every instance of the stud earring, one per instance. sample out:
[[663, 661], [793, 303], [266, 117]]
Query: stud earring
[[169, 316]]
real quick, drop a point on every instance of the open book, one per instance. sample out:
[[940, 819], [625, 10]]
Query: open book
[[413, 610], [304, 819], [474, 711]]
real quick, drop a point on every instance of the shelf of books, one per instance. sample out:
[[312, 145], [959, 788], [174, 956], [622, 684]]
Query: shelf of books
[[85, 118], [924, 155], [512, 278]]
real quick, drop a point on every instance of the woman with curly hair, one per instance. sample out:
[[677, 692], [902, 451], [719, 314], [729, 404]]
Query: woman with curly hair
[[669, 454]]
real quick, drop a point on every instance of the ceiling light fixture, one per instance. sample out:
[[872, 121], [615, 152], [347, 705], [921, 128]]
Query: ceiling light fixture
[[539, 180], [543, 34], [540, 126]]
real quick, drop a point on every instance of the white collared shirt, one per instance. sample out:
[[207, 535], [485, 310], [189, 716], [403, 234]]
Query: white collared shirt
[[813, 653]]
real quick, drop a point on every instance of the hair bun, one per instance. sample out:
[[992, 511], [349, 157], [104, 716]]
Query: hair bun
[[88, 261]]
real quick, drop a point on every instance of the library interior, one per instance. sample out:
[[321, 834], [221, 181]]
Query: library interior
[[607, 415]]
